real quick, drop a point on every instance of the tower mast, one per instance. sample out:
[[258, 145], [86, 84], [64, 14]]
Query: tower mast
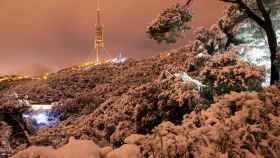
[[99, 31]]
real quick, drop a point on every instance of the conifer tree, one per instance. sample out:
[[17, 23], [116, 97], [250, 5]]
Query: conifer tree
[[259, 16]]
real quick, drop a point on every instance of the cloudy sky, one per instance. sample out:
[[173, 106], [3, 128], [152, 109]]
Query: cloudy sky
[[46, 35]]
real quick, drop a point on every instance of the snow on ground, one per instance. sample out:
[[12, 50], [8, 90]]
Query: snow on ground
[[40, 115], [186, 78]]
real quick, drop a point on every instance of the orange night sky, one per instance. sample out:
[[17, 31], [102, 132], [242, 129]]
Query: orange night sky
[[47, 35]]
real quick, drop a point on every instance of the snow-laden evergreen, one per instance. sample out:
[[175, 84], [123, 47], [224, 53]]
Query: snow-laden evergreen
[[255, 48]]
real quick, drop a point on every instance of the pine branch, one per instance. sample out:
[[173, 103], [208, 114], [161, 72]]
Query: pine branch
[[248, 11]]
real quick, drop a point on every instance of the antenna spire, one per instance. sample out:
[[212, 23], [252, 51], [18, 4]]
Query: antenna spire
[[98, 12], [98, 4], [99, 39]]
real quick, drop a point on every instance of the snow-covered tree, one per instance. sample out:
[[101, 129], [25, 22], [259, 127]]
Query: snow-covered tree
[[170, 23], [253, 23], [259, 29]]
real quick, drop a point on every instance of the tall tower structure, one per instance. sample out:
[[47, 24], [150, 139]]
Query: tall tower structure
[[99, 35]]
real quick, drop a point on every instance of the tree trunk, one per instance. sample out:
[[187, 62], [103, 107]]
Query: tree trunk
[[272, 42], [267, 25]]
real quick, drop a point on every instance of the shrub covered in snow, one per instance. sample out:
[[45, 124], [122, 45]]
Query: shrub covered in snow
[[166, 101], [237, 125], [226, 72], [209, 41]]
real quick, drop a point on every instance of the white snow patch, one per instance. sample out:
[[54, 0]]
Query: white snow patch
[[119, 59], [200, 55], [37, 107], [40, 114], [186, 78]]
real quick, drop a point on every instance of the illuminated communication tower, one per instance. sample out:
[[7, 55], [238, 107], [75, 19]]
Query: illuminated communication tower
[[99, 35]]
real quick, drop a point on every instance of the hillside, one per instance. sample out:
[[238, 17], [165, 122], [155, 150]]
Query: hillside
[[109, 102], [83, 89]]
